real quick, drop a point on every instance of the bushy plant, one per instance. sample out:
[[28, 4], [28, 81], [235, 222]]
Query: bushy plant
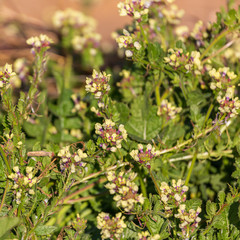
[[150, 151]]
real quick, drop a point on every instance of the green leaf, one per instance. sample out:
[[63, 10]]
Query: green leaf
[[44, 230], [123, 111], [70, 123], [7, 223], [221, 197], [155, 224], [193, 204], [221, 221], [144, 122], [211, 208], [130, 232]]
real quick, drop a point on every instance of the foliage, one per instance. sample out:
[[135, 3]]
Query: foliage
[[148, 152]]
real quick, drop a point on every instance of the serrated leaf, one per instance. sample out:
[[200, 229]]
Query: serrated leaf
[[44, 230], [130, 232], [155, 224], [221, 197], [193, 204], [211, 208], [221, 221]]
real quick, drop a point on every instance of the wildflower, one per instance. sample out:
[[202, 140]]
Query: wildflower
[[184, 61], [78, 104], [172, 196], [229, 106], [98, 84], [199, 33], [111, 227], [79, 224], [144, 157], [133, 8], [189, 219], [232, 54], [23, 182], [222, 78], [41, 43], [125, 190], [111, 135], [6, 74], [128, 41], [173, 14], [81, 27], [182, 32], [168, 109], [146, 236], [71, 161]]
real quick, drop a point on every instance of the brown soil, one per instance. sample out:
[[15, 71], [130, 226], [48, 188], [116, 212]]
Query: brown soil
[[36, 16]]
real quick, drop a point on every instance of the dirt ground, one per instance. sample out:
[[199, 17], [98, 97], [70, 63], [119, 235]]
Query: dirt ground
[[39, 13], [105, 11]]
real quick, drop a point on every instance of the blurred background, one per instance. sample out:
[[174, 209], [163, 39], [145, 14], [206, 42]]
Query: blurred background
[[35, 17]]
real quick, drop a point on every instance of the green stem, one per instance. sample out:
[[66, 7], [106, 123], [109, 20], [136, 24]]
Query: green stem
[[157, 94], [93, 175], [143, 33], [155, 183], [191, 168], [5, 160], [142, 185], [65, 200], [208, 113], [223, 34], [4, 195], [68, 70], [205, 155]]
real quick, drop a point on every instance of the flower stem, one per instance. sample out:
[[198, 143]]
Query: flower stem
[[191, 168], [5, 160], [155, 182], [4, 195], [208, 113], [223, 34]]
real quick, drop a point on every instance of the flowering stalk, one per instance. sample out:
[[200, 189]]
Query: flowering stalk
[[191, 168]]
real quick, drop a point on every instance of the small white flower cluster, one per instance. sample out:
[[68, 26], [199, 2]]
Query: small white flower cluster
[[232, 54], [111, 228], [229, 105], [80, 26], [224, 87], [222, 78], [41, 43], [182, 32], [127, 41], [144, 157], [70, 161], [23, 183], [112, 136], [168, 109], [146, 236], [199, 32], [6, 74], [172, 14], [21, 68], [125, 190], [98, 84], [189, 219], [172, 196], [78, 104], [133, 8], [188, 61]]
